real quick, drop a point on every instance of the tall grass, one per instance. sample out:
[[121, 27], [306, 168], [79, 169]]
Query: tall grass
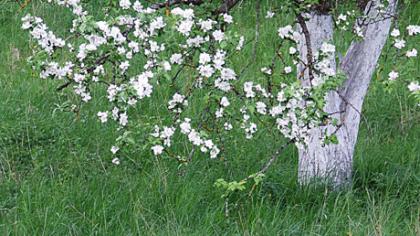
[[56, 177]]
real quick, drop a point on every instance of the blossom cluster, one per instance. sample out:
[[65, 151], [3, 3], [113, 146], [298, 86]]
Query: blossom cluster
[[400, 44], [182, 63], [399, 41]]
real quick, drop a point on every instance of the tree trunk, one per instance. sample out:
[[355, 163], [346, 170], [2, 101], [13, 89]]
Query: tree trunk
[[333, 162]]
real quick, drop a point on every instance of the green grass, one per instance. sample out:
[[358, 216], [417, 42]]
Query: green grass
[[56, 177]]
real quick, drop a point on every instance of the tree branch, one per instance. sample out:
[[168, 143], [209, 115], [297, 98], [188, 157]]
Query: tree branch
[[360, 63], [63, 86], [309, 54], [175, 2], [274, 157], [362, 56], [224, 8]]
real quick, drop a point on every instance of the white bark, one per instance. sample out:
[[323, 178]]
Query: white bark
[[333, 162]]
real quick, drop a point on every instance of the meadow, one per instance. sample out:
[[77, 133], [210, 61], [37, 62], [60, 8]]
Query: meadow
[[56, 177]]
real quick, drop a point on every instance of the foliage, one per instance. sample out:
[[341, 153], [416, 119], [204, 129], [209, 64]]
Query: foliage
[[132, 52]]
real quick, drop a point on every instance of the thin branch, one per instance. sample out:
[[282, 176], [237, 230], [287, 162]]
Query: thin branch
[[348, 103], [273, 158], [20, 5], [175, 2], [98, 62], [226, 6], [63, 86], [309, 54], [352, 106]]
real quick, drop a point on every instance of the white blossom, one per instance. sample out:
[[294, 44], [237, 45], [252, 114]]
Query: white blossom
[[166, 65], [112, 92], [341, 17], [124, 66], [285, 31], [224, 102], [157, 150], [269, 15], [249, 93], [414, 86], [411, 53], [123, 119], [186, 14], [219, 113], [185, 27], [125, 4], [185, 126], [214, 152], [114, 149], [261, 108], [206, 70], [103, 116], [204, 58], [240, 43], [177, 99], [206, 25], [227, 126], [393, 75], [141, 84], [413, 29], [176, 58], [266, 70], [399, 43], [395, 33], [228, 18], [218, 35], [327, 48], [137, 6], [116, 161]]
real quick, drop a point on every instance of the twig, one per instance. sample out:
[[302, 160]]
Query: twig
[[274, 157], [352, 106], [226, 6], [309, 54], [22, 6], [63, 86], [169, 3], [100, 61]]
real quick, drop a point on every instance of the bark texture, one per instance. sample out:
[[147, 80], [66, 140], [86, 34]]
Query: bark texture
[[333, 162]]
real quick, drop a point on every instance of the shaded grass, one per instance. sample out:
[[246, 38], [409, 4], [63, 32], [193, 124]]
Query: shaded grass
[[56, 177]]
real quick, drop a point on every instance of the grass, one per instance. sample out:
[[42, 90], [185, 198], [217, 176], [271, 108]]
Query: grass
[[56, 177]]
